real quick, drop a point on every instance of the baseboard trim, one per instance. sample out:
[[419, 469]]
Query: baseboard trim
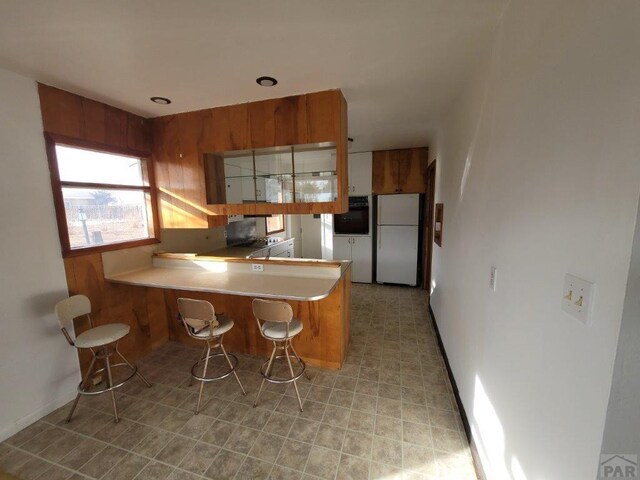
[[24, 422], [477, 463]]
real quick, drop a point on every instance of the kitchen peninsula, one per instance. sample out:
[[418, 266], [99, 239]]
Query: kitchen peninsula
[[317, 290]]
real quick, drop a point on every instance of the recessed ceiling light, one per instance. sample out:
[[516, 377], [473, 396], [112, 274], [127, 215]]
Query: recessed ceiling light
[[160, 100], [266, 81]]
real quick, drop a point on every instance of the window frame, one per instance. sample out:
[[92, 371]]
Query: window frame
[[51, 140], [273, 232]]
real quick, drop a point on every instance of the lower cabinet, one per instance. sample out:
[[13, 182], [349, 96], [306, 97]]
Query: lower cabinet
[[358, 250], [283, 250]]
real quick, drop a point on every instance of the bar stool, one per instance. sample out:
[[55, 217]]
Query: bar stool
[[201, 323], [279, 327], [102, 342]]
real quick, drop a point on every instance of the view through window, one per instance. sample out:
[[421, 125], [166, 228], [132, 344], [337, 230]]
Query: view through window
[[275, 224]]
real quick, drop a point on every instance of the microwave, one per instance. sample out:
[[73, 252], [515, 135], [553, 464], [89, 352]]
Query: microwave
[[356, 220]]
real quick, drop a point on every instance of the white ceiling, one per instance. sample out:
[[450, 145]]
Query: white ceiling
[[399, 63]]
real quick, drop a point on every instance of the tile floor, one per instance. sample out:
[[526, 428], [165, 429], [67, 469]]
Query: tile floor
[[388, 414]]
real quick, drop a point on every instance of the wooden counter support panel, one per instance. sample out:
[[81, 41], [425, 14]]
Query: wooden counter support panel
[[141, 308], [323, 341]]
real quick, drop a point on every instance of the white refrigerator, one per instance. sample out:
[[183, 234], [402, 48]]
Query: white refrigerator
[[397, 239]]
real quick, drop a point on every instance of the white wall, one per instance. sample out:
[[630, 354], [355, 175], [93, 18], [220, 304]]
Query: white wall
[[622, 428], [38, 369], [539, 173]]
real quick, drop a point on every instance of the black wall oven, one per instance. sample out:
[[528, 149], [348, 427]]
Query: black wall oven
[[356, 221]]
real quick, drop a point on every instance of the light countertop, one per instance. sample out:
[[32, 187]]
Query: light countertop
[[292, 282]]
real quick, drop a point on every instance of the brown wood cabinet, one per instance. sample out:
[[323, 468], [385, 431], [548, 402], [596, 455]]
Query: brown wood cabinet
[[400, 171], [181, 141]]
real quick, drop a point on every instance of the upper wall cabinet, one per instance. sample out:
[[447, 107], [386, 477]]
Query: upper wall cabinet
[[360, 174], [400, 171], [278, 175], [286, 155]]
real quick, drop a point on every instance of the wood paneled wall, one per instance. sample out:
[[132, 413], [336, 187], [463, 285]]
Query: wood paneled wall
[[143, 309], [182, 140], [68, 115]]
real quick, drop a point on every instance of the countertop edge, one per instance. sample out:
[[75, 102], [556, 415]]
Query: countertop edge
[[314, 298], [226, 292]]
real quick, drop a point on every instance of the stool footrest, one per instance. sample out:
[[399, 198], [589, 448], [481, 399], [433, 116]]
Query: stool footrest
[[302, 365], [232, 357], [98, 391]]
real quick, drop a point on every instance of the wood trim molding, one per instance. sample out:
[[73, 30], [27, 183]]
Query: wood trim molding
[[109, 247], [58, 199], [477, 463], [99, 146]]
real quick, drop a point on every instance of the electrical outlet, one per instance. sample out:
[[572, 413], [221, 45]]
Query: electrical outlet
[[257, 267], [577, 297], [493, 278]]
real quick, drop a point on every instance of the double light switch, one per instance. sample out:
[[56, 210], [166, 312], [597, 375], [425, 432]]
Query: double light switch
[[577, 297]]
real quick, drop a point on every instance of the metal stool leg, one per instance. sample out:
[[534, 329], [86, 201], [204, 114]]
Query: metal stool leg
[[204, 350], [231, 365], [113, 393], [306, 374], [82, 385], [295, 383], [204, 374], [146, 382], [268, 372]]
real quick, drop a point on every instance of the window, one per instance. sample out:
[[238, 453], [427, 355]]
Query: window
[[275, 224], [103, 199]]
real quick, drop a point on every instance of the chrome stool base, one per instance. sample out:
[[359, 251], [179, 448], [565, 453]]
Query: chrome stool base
[[269, 378], [231, 370], [267, 368], [105, 353], [206, 356]]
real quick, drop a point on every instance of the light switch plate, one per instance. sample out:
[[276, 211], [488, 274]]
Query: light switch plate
[[493, 278], [577, 298], [257, 267]]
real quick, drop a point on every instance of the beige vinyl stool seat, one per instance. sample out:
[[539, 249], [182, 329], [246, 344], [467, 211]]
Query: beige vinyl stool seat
[[102, 341], [278, 330], [276, 323], [202, 323], [102, 335]]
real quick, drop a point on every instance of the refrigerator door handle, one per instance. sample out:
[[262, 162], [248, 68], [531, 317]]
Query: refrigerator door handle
[[379, 238]]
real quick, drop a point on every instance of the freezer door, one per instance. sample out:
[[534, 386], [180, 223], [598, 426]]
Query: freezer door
[[399, 209], [397, 255]]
